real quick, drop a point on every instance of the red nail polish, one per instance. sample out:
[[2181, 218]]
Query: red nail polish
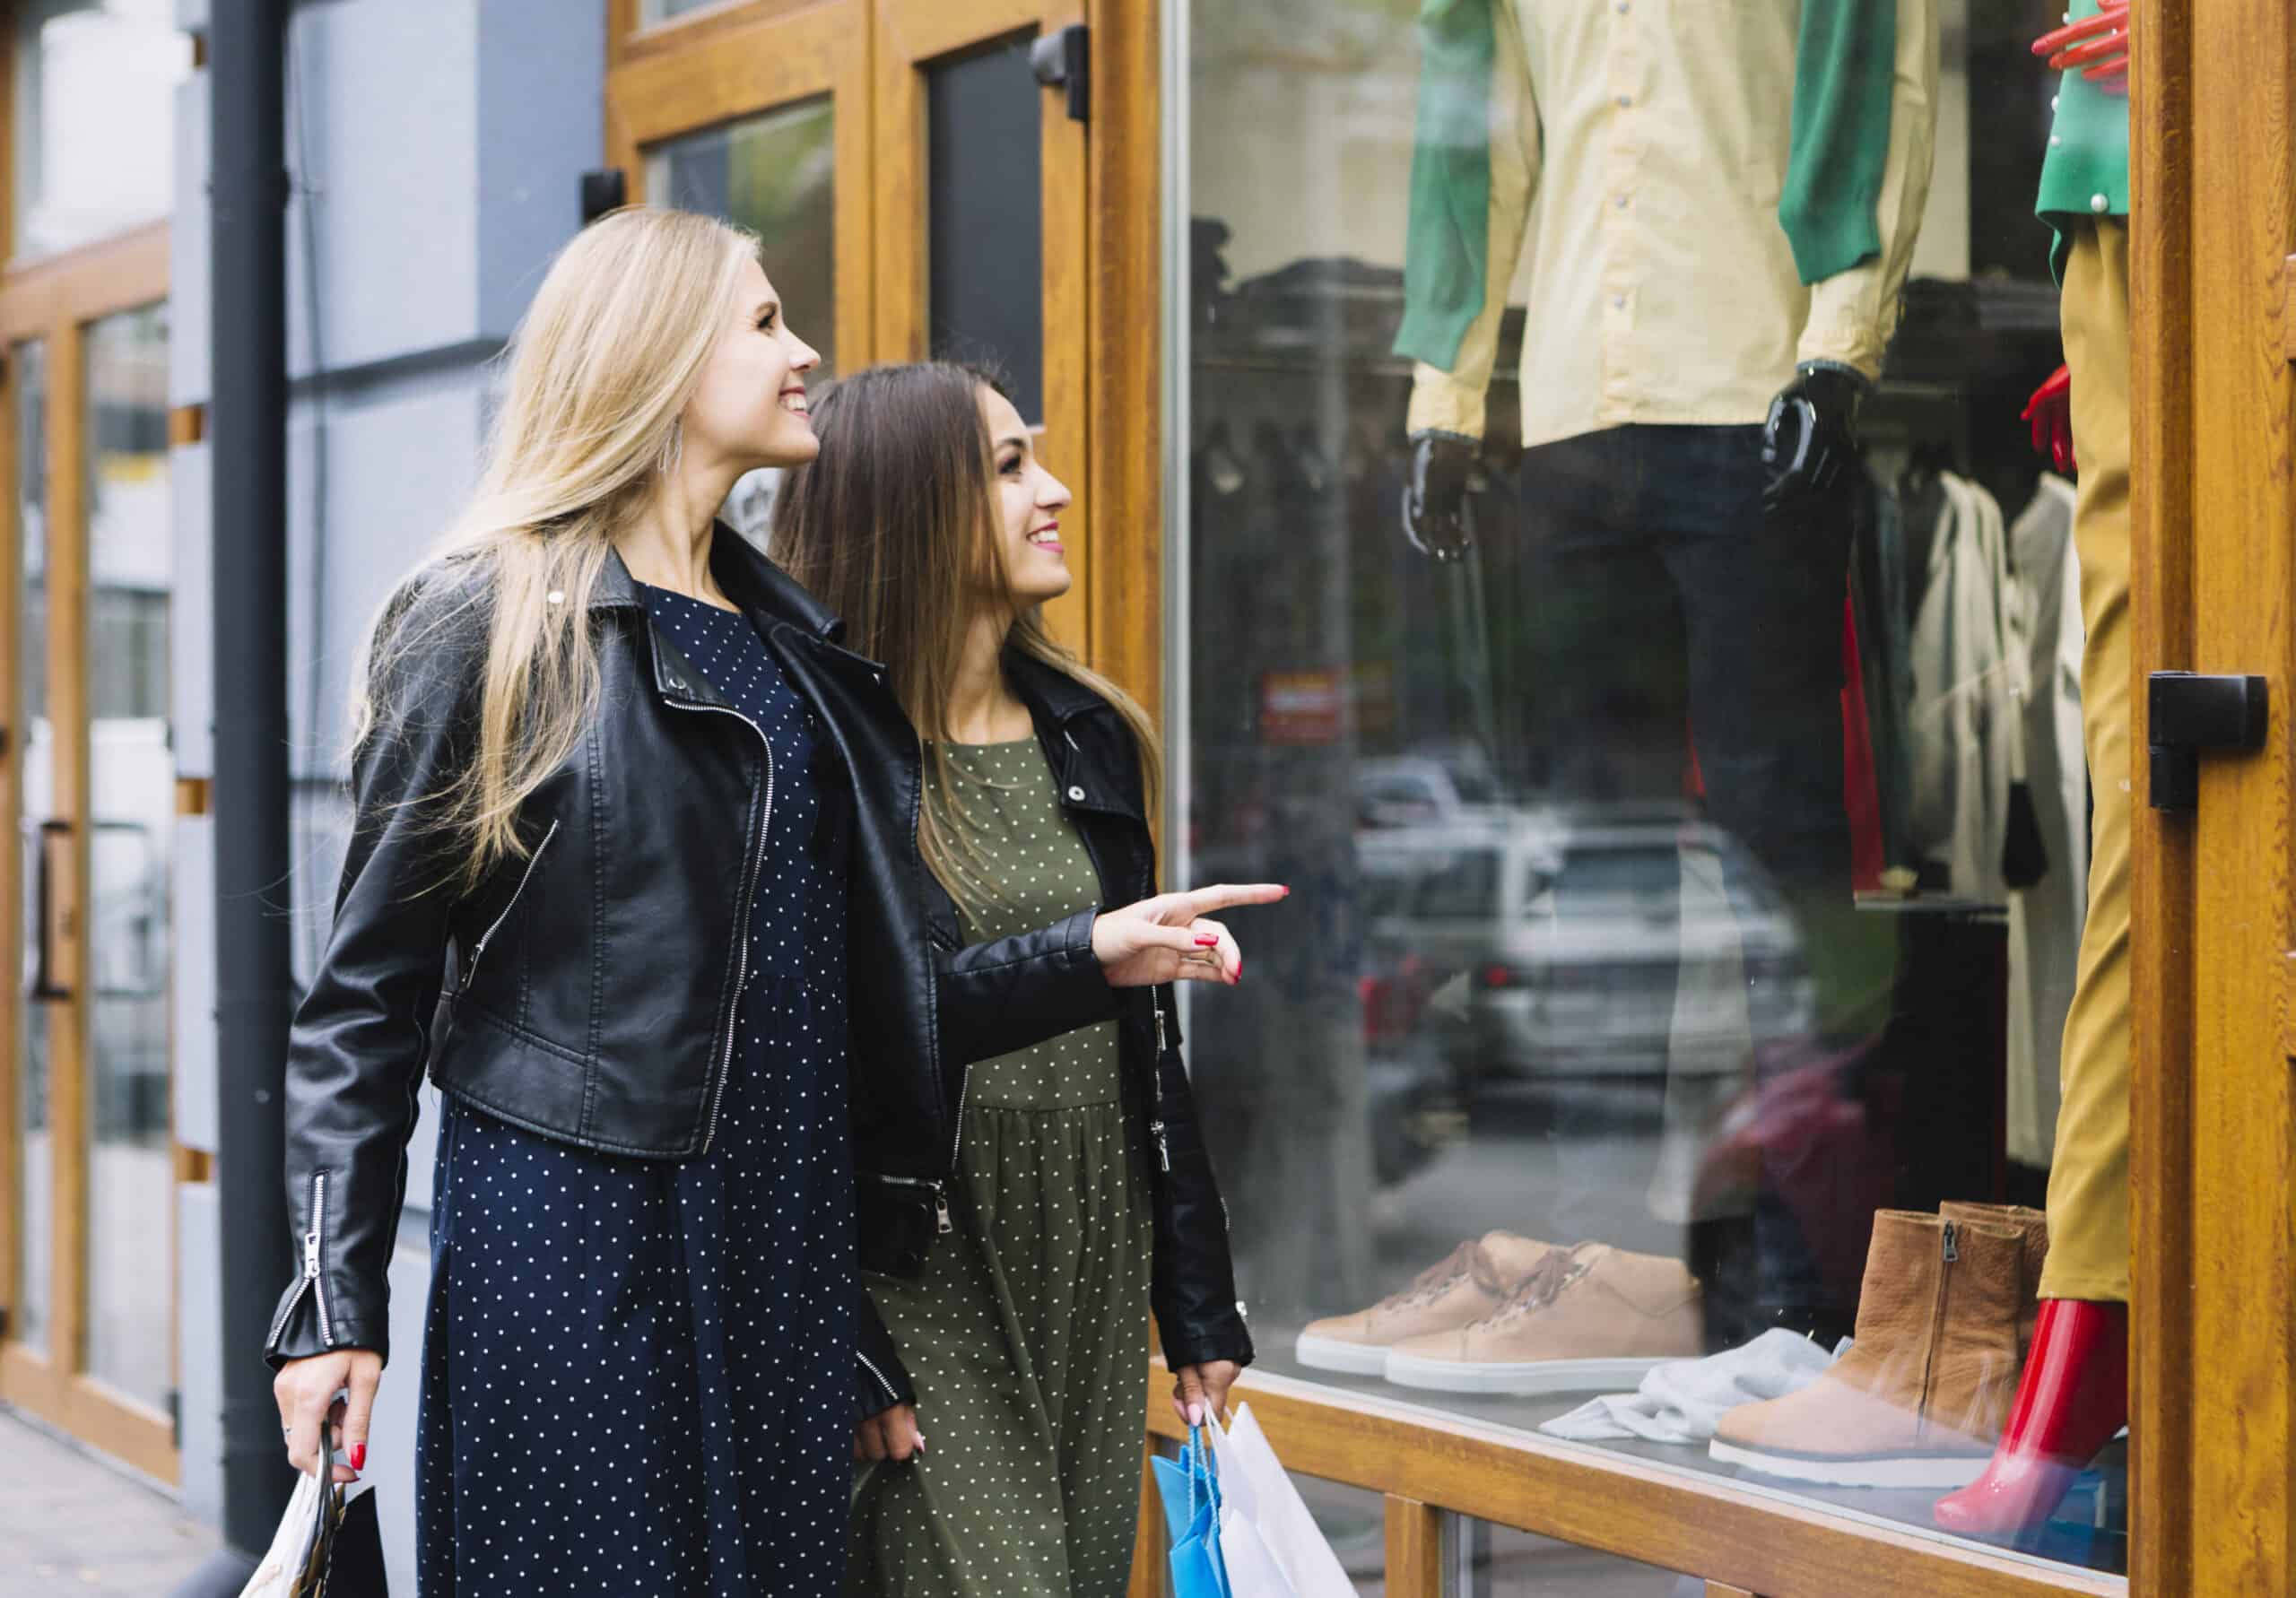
[[1207, 943], [359, 1456]]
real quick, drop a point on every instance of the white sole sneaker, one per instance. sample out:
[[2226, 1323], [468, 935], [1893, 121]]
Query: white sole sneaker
[[1535, 1376], [1332, 1353], [1940, 1472]]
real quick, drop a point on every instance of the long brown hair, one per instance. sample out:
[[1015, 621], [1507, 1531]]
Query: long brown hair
[[893, 528], [597, 374]]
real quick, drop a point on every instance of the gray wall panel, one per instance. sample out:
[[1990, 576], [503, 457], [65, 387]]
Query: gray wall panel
[[542, 120], [199, 1268], [188, 377], [385, 144], [192, 989], [191, 633]]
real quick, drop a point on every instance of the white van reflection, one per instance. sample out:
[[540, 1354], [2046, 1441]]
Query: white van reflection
[[1556, 942]]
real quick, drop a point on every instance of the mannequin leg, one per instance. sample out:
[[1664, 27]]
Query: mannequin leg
[[2073, 1394]]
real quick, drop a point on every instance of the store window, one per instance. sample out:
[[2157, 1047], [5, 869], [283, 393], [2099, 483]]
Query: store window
[[1689, 852], [94, 118]]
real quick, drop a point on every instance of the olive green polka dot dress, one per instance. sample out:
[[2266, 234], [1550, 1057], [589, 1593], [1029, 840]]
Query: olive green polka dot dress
[[1028, 1337]]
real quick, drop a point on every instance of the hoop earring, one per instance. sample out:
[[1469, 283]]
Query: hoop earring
[[673, 447]]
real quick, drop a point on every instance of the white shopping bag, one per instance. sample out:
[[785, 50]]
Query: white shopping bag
[[1270, 1543]]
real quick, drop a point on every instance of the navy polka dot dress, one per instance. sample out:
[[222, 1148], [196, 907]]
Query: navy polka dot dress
[[636, 1375]]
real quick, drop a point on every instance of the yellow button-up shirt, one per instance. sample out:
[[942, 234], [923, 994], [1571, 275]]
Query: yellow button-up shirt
[[1638, 153]]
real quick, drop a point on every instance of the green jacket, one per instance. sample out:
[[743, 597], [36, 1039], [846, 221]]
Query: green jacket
[[2086, 172]]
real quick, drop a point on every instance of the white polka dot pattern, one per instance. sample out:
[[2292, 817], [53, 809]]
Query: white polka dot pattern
[[637, 1374], [1027, 1340]]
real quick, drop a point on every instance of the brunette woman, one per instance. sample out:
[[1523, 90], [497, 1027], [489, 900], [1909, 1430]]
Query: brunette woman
[[631, 872], [1020, 1220]]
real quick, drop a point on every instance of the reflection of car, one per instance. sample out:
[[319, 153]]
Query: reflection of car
[[1576, 940], [1412, 791]]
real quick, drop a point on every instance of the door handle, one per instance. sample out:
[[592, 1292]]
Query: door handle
[[56, 918], [2189, 714]]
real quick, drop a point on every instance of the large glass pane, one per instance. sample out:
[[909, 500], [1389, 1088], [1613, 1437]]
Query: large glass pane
[[95, 118], [35, 764], [985, 238], [131, 556], [1688, 878], [774, 174]]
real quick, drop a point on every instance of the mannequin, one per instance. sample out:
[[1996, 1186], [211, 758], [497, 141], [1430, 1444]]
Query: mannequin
[[2073, 1396], [1717, 207]]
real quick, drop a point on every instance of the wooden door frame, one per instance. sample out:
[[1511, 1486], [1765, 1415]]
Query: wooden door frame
[[54, 301], [722, 65], [910, 34], [2213, 1315]]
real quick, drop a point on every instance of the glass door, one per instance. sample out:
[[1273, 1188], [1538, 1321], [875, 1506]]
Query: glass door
[[981, 194], [87, 782], [758, 114]]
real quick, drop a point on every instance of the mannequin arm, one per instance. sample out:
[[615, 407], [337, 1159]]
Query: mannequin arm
[[1853, 312], [1452, 370]]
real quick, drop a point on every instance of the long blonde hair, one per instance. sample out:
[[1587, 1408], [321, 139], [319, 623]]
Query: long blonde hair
[[893, 528], [597, 375]]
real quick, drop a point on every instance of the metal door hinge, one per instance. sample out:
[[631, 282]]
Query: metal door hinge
[[2187, 715], [1061, 60]]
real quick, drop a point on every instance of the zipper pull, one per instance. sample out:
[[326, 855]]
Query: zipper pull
[[310, 1256], [1158, 1004], [941, 1211], [1163, 1149], [1952, 1249]]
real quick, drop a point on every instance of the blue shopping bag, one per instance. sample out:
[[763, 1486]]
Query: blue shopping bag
[[1190, 1489]]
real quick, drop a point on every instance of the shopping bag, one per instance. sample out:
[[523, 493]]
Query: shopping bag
[[1191, 1495], [326, 1545], [1262, 1514]]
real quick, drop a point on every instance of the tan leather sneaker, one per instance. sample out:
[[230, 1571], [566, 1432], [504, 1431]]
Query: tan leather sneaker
[[1589, 1318], [1471, 1282]]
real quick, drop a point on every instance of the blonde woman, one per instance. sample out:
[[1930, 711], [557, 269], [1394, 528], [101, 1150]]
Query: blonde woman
[[633, 875], [1069, 1187]]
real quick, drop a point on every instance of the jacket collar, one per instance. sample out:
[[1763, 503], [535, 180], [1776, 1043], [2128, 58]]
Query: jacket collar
[[1051, 694], [756, 584]]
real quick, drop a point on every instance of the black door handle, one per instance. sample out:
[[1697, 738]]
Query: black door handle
[[2190, 715]]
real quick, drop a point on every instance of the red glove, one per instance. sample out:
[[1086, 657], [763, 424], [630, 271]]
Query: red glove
[[2051, 411], [2098, 46]]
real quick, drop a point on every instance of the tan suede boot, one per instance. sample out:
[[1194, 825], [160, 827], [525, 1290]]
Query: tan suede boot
[[1474, 1281], [1920, 1399], [1592, 1316], [2033, 1225]]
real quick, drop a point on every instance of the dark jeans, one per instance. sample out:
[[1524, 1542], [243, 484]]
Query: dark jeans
[[1656, 602]]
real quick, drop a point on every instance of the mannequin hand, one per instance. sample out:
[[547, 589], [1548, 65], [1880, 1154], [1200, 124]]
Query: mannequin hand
[[2051, 411], [1200, 1392], [1434, 499], [890, 1435], [1810, 440], [2098, 46], [1166, 939]]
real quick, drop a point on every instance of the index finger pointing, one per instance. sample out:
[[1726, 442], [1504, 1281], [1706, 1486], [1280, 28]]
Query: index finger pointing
[[1226, 896]]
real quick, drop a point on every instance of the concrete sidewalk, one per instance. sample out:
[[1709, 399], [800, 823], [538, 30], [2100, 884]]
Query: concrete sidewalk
[[70, 1524]]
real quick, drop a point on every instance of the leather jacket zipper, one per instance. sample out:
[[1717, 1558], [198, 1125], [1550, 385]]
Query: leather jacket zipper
[[870, 1366], [478, 949], [1156, 1081], [314, 1241], [742, 925], [940, 1192]]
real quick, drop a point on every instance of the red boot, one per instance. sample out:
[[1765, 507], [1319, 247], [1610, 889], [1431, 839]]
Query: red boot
[[2072, 1401]]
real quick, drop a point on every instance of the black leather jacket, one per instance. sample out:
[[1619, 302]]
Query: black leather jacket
[[906, 1124], [587, 992]]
